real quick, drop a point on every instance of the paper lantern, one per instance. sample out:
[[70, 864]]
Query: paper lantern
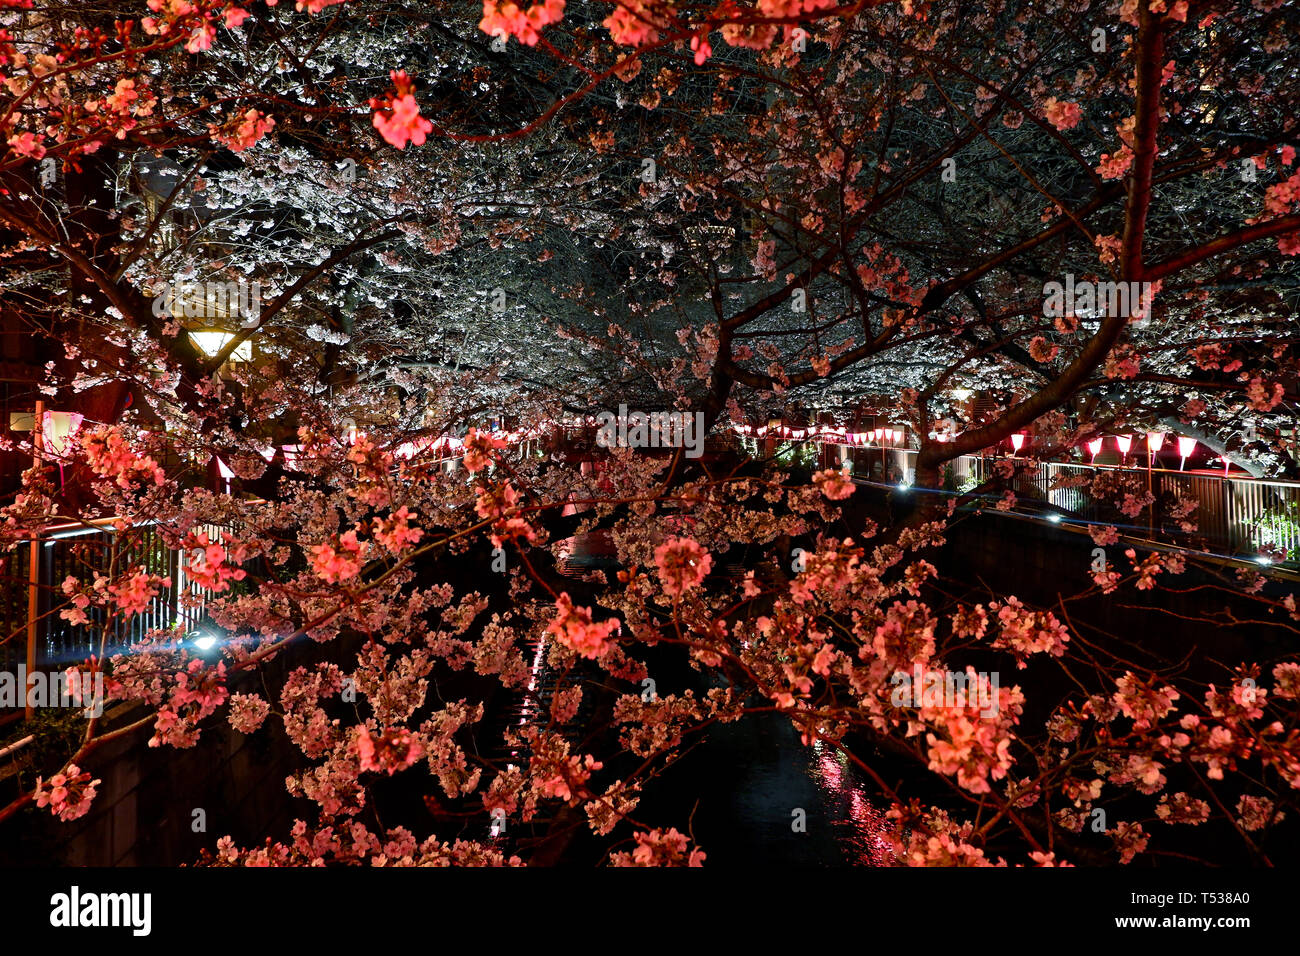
[[57, 429]]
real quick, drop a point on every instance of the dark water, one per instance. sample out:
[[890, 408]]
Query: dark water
[[753, 794]]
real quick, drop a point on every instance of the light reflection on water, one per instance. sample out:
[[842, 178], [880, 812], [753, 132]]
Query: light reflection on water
[[859, 823], [741, 787]]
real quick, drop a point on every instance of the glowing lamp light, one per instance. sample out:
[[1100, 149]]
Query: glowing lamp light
[[211, 343], [291, 453], [1155, 441], [224, 470], [1125, 442], [1018, 441], [57, 429], [1185, 448], [1094, 447], [205, 640]]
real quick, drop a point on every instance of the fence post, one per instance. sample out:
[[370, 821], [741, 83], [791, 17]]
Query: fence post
[[33, 574]]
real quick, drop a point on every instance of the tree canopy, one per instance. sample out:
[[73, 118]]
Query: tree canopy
[[471, 233]]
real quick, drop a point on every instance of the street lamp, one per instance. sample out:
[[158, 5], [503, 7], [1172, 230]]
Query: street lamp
[[56, 433], [1185, 448], [1017, 442]]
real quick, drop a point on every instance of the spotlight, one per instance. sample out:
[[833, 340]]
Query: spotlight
[[205, 640]]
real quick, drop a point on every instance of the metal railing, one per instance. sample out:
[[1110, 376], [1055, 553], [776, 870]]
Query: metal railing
[[1234, 515], [31, 628]]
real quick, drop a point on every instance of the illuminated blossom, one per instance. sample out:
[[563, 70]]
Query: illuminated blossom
[[396, 532], [574, 628], [70, 793], [479, 446], [502, 19], [1062, 114], [247, 712], [207, 565], [403, 123], [1255, 813], [109, 456], [834, 484], [134, 593], [683, 564], [1040, 350], [340, 560], [393, 750], [243, 131], [27, 144], [657, 848], [1115, 165]]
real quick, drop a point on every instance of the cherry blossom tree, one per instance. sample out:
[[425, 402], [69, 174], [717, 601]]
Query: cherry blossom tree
[[725, 207]]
